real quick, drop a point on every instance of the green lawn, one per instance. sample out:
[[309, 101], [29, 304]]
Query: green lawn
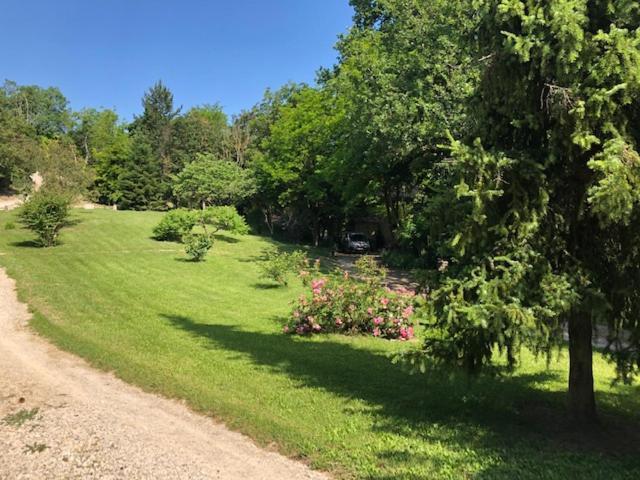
[[211, 333]]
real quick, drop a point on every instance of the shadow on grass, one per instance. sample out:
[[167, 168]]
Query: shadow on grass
[[493, 415], [267, 286], [189, 260], [314, 253], [225, 238], [30, 244]]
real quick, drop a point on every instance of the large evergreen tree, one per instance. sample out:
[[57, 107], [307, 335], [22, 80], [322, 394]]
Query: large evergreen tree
[[152, 161], [543, 214]]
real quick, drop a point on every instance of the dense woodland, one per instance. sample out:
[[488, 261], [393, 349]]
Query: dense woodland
[[493, 143]]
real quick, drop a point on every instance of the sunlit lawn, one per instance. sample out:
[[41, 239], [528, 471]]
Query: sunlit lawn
[[211, 333]]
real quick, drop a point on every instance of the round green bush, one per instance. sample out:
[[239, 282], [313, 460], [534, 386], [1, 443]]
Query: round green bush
[[175, 224], [45, 214], [197, 245]]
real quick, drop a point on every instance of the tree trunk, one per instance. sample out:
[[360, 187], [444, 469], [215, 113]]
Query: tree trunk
[[268, 219], [582, 403]]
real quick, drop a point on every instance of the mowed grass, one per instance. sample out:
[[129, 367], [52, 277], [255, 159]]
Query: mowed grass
[[210, 333]]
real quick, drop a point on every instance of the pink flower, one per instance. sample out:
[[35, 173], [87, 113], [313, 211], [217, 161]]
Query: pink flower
[[370, 311], [376, 332], [310, 319], [338, 321], [384, 301], [317, 285], [410, 332], [286, 329], [403, 333], [300, 330], [316, 327], [296, 314], [378, 321], [407, 312]]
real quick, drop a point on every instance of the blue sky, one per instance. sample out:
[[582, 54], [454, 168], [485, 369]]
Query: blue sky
[[106, 53]]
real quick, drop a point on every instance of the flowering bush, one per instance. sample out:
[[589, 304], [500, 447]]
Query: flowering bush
[[345, 303]]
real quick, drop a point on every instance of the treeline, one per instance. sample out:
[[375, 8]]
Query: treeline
[[305, 161]]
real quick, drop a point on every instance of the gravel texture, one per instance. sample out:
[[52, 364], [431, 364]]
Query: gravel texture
[[59, 418]]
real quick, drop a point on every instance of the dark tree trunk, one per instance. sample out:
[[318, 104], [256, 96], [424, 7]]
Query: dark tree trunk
[[392, 219], [582, 403], [268, 219]]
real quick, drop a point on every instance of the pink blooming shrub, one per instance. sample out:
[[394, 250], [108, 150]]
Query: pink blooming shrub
[[351, 304]]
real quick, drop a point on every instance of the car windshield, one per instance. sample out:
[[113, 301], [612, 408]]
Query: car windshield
[[357, 237]]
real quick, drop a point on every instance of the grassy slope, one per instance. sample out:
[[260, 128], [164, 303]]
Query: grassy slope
[[210, 333]]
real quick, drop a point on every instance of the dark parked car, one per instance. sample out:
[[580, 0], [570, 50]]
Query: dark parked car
[[354, 242]]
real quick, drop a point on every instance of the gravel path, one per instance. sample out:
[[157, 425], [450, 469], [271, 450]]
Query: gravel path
[[10, 202], [395, 277], [59, 418]]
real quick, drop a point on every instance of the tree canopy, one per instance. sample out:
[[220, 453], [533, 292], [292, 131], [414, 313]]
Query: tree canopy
[[208, 181]]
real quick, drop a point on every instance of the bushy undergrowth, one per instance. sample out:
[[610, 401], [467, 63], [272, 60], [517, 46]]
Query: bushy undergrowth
[[279, 266], [351, 304]]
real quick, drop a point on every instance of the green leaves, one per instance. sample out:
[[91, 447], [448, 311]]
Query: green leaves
[[46, 213], [617, 191], [542, 213], [209, 181]]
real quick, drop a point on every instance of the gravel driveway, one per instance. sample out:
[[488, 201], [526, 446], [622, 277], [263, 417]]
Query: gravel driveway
[[59, 418]]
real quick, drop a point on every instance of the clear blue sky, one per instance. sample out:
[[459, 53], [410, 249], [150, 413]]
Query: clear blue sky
[[106, 53]]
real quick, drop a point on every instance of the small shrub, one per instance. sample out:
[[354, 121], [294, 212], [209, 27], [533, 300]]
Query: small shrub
[[197, 245], [10, 225], [280, 265], [46, 214], [342, 303], [175, 224], [224, 218]]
